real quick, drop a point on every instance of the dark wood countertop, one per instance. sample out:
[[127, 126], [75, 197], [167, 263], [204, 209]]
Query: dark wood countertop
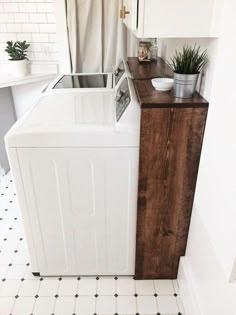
[[149, 97], [149, 70]]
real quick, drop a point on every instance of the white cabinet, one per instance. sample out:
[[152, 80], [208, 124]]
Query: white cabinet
[[130, 13], [172, 18]]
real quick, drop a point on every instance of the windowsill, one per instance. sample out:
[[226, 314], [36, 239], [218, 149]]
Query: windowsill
[[8, 80]]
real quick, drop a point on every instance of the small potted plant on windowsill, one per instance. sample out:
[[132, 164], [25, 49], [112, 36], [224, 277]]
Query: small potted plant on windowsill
[[18, 58], [187, 64]]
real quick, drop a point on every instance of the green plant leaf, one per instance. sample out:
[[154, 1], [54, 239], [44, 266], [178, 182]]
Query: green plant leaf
[[17, 50], [189, 61]]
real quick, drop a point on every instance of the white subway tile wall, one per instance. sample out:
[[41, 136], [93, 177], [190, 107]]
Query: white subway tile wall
[[33, 21]]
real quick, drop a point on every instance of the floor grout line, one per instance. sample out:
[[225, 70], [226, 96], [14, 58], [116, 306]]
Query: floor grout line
[[116, 300], [136, 298], [77, 290], [57, 291]]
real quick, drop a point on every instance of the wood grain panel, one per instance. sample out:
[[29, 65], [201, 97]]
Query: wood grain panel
[[149, 70], [150, 98], [170, 147]]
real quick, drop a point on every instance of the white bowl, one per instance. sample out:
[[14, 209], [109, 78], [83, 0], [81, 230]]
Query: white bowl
[[163, 84]]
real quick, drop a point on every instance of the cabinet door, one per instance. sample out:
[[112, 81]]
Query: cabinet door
[[176, 18], [131, 18]]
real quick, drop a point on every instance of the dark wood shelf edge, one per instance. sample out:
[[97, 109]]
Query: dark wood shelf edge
[[148, 97], [164, 105]]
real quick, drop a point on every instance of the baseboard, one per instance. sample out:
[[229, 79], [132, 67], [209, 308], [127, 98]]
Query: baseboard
[[187, 288], [204, 287]]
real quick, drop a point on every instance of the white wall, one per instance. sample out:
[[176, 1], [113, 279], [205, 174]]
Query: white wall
[[33, 21], [216, 189], [25, 95], [211, 248]]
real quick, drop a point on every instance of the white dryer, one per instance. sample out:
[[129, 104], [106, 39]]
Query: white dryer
[[75, 165]]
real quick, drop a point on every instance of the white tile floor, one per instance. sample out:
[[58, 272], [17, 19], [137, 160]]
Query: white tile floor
[[23, 294]]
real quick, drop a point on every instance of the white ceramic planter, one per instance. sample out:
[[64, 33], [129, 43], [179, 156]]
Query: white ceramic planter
[[19, 68]]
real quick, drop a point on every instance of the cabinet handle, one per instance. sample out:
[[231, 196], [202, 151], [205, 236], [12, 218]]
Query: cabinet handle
[[123, 12]]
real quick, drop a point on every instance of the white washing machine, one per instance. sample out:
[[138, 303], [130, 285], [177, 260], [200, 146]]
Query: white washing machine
[[75, 166]]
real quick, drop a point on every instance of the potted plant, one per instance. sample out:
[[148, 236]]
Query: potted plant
[[18, 57], [187, 64]]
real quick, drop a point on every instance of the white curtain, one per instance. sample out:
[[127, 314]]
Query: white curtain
[[97, 36]]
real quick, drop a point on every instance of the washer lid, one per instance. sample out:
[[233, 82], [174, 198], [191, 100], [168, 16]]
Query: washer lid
[[68, 108], [84, 81], [72, 120]]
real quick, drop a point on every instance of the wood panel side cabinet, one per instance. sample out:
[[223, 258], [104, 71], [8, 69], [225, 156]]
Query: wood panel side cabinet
[[170, 148]]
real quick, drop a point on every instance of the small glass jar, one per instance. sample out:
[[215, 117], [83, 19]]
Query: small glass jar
[[154, 50], [144, 51]]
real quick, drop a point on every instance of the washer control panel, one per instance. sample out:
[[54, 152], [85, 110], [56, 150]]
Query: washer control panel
[[122, 99], [119, 72]]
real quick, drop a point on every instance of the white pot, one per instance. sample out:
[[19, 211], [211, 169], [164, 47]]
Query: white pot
[[19, 68]]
